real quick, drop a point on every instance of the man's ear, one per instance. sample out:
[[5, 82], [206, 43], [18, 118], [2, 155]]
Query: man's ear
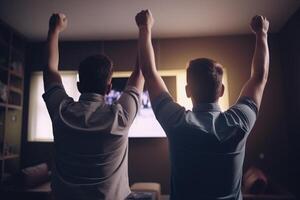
[[188, 91], [79, 87], [222, 91], [108, 89]]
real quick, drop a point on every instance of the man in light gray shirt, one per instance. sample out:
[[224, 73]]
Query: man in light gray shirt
[[90, 136], [207, 146]]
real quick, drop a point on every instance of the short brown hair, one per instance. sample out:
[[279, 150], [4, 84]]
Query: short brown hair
[[95, 73], [204, 76]]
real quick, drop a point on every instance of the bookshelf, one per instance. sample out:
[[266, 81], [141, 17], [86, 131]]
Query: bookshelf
[[12, 60]]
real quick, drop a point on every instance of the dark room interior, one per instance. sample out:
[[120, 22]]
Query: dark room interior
[[223, 34]]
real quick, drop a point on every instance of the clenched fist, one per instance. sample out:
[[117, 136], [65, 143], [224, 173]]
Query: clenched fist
[[58, 22], [259, 24], [144, 18]]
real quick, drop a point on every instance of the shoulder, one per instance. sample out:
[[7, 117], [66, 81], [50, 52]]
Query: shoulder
[[54, 96], [243, 113], [167, 111]]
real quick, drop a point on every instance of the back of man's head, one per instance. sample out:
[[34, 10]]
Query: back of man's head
[[204, 80], [95, 74]]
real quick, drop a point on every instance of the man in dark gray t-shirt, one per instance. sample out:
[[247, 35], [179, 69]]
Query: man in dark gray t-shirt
[[90, 136], [207, 146]]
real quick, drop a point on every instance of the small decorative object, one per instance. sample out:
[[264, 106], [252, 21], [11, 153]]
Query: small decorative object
[[17, 67], [6, 149], [3, 92], [14, 118]]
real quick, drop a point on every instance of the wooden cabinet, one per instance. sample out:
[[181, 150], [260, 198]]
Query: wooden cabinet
[[12, 60]]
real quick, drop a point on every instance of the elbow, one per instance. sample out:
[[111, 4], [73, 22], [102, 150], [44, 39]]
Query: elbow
[[48, 69], [260, 73], [148, 74], [45, 71], [264, 75], [50, 72], [261, 77], [147, 71]]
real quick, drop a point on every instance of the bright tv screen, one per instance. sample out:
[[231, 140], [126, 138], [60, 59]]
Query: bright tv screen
[[145, 123]]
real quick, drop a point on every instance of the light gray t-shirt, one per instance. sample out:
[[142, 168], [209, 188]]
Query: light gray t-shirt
[[207, 147], [91, 144]]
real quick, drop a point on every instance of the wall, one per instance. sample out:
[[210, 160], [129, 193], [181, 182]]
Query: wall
[[148, 158], [290, 51]]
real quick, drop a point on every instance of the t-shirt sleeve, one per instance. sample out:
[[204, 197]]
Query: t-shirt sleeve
[[244, 113], [53, 98], [167, 111], [130, 102]]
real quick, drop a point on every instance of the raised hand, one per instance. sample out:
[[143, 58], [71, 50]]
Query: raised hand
[[259, 24], [58, 22], [255, 86], [144, 19]]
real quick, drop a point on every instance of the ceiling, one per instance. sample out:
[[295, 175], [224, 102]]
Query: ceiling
[[114, 19]]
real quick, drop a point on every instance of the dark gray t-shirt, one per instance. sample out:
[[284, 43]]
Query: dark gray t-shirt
[[91, 144], [207, 147]]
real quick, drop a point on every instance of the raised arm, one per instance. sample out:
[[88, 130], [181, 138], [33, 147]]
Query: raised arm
[[154, 82], [130, 98], [255, 86], [57, 23], [136, 78]]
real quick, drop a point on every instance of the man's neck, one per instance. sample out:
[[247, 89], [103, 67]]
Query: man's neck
[[196, 103]]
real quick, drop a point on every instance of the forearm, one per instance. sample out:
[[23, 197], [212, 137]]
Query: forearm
[[52, 51], [260, 62], [57, 23], [254, 87], [154, 82], [146, 52], [51, 75], [137, 79]]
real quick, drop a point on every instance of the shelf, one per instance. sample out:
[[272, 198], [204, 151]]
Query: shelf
[[11, 106], [12, 61], [10, 156], [2, 104], [12, 72], [16, 74], [14, 107], [16, 90]]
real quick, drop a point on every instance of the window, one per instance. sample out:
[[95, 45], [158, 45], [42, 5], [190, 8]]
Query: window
[[40, 128]]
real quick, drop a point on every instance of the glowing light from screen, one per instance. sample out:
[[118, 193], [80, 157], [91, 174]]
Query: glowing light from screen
[[40, 127]]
